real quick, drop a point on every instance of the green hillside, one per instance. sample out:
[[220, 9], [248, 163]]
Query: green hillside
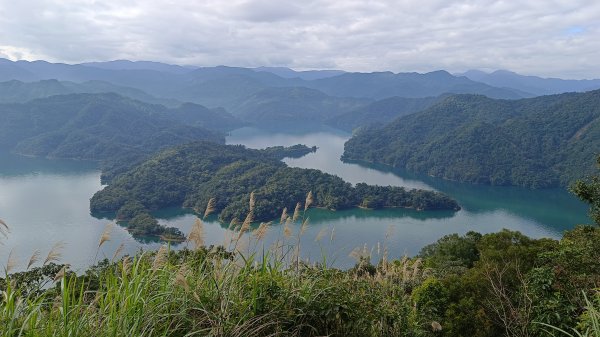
[[538, 142], [93, 127], [381, 112]]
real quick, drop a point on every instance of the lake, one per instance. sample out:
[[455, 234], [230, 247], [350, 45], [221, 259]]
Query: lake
[[47, 201]]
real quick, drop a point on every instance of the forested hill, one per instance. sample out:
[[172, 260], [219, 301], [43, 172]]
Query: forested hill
[[191, 174], [293, 104], [539, 142], [381, 112], [92, 126]]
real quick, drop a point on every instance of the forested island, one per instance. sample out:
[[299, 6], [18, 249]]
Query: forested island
[[192, 174], [540, 142]]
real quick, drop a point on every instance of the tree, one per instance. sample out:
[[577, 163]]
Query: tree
[[589, 191]]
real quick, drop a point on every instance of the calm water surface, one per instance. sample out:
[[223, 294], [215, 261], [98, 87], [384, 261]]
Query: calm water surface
[[47, 201]]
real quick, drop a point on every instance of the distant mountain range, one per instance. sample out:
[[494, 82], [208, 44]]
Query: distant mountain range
[[226, 86], [15, 91], [531, 84], [271, 94]]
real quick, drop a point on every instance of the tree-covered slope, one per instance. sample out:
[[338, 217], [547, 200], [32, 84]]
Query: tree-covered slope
[[380, 112], [92, 126], [191, 174], [291, 104], [538, 142]]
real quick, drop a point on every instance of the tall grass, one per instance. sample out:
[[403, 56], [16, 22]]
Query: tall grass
[[210, 291]]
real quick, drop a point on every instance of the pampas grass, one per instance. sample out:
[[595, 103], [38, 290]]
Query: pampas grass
[[210, 207], [35, 257], [4, 228], [196, 236], [55, 253]]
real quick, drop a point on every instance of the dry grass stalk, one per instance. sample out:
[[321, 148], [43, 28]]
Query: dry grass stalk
[[181, 280], [118, 251], [416, 266], [4, 228], [309, 200], [390, 231], [404, 263], [262, 230], [252, 201], [297, 212], [332, 235], [321, 234], [233, 223], [304, 226], [61, 273], [246, 224], [126, 264], [105, 235], [11, 263], [55, 253], [287, 231], [284, 216], [355, 254], [210, 207], [160, 259], [35, 257], [196, 236]]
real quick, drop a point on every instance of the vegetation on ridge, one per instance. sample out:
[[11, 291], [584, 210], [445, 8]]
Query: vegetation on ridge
[[539, 142], [190, 175]]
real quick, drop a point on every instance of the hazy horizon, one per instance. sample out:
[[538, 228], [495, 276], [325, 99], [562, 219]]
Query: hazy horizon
[[195, 66], [549, 39]]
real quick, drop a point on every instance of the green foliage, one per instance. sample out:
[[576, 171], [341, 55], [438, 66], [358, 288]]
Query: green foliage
[[539, 142], [508, 284], [294, 151], [292, 104], [452, 253], [191, 174], [589, 191], [94, 127], [381, 112]]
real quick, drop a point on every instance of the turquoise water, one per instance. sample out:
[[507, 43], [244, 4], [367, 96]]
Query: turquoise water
[[47, 201]]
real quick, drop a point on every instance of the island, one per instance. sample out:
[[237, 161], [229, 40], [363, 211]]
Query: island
[[191, 175]]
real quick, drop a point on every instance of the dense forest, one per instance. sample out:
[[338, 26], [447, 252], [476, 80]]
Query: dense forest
[[381, 112], [537, 142], [93, 127], [191, 175], [293, 104]]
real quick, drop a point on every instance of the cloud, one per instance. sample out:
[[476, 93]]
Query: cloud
[[543, 37]]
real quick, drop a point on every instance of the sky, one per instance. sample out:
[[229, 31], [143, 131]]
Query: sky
[[550, 38]]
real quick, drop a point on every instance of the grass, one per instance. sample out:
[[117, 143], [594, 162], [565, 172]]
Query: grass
[[211, 291]]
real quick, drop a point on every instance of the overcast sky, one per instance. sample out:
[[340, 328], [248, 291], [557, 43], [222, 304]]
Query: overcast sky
[[542, 37]]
